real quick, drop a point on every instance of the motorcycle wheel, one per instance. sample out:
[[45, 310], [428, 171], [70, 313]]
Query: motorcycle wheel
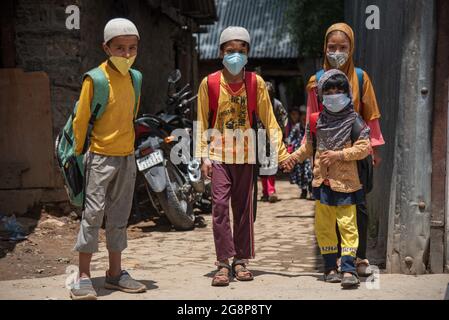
[[205, 204], [177, 208]]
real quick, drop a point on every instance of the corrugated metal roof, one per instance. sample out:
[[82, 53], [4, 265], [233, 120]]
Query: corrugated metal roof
[[203, 11], [265, 21]]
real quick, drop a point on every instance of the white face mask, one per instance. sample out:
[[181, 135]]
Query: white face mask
[[337, 59], [336, 102]]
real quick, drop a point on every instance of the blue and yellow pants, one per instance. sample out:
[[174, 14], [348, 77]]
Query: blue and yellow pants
[[346, 219]]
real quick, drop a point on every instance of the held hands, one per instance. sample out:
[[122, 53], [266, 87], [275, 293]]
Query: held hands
[[329, 157], [288, 164]]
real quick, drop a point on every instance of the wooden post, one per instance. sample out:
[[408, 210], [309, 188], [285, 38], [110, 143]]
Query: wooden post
[[446, 229], [440, 201], [409, 228]]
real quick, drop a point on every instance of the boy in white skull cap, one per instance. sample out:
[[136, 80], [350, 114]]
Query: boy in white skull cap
[[110, 163], [229, 101]]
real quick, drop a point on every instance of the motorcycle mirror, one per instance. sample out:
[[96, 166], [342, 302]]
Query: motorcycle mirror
[[174, 76]]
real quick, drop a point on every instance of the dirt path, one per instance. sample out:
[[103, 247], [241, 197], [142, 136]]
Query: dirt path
[[193, 283], [179, 265]]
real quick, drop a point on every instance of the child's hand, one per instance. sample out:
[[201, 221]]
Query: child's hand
[[206, 169], [288, 164], [329, 157]]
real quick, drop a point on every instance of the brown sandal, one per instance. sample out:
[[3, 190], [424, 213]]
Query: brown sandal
[[247, 275], [363, 268], [222, 277]]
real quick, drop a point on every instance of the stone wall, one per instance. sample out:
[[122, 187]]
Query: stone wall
[[44, 44]]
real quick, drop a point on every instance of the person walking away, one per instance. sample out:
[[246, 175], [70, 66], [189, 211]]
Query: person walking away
[[269, 182]]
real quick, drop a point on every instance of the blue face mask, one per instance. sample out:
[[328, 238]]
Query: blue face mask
[[234, 62], [336, 102]]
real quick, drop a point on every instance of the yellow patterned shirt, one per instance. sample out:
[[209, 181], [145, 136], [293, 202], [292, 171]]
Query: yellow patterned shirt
[[232, 118]]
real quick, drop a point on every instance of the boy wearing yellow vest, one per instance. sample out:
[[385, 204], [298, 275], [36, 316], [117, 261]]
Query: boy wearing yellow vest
[[110, 163]]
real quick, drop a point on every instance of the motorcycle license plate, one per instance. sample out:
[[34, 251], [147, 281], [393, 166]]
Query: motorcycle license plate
[[150, 160]]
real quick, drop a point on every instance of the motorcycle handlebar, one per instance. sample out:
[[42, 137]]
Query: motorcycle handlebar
[[181, 92], [186, 102], [185, 95]]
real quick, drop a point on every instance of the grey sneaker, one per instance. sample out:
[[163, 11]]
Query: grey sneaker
[[332, 277], [83, 290], [124, 282], [350, 282]]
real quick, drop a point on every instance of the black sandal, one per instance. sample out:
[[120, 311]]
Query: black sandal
[[332, 278], [350, 282]]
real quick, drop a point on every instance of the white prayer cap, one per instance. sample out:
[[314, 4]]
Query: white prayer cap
[[119, 27], [235, 33]]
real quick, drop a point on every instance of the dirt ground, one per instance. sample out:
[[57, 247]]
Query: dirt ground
[[47, 251], [180, 265]]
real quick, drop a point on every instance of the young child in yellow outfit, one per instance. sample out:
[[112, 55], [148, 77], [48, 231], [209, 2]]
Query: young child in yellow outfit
[[336, 185]]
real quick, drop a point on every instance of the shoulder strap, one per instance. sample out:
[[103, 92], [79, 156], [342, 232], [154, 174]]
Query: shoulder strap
[[360, 78], [99, 102], [357, 128], [101, 91], [251, 96], [251, 93], [136, 77], [319, 74], [213, 87], [313, 119]]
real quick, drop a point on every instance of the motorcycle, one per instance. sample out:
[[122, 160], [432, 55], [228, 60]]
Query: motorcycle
[[178, 115], [173, 188]]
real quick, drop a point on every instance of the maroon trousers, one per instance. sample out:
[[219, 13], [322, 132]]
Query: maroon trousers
[[235, 182]]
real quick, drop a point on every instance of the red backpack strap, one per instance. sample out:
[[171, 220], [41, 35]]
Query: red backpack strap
[[320, 106], [313, 121], [213, 86], [251, 91]]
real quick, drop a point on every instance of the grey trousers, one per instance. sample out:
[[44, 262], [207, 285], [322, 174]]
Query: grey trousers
[[109, 194]]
